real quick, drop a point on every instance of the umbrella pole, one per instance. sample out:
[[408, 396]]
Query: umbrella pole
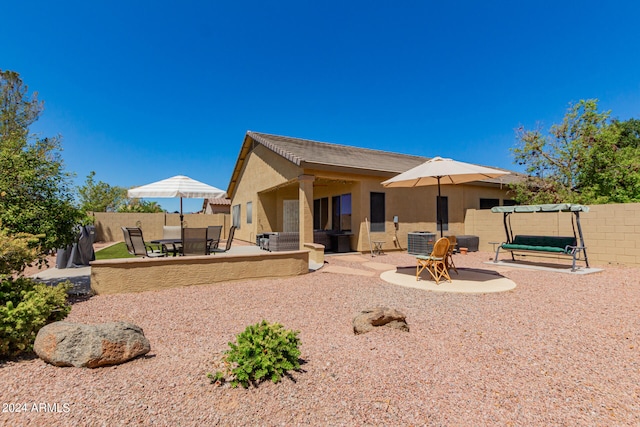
[[369, 235], [181, 216], [438, 213]]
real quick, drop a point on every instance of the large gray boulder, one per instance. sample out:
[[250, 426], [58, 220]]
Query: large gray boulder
[[368, 320], [90, 346]]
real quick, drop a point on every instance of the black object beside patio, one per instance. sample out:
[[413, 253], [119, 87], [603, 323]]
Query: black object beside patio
[[81, 252], [468, 241]]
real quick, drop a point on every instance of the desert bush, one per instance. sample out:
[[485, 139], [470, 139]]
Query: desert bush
[[25, 307], [263, 351]]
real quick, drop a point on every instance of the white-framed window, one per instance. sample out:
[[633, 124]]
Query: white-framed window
[[235, 216], [290, 215]]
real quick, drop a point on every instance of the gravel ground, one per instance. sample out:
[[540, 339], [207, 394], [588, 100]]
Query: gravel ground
[[559, 350]]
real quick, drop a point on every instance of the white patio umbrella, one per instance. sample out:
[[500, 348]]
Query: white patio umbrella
[[445, 171], [177, 186]]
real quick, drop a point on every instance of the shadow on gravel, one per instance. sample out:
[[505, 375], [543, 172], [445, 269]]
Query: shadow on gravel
[[25, 357], [80, 287], [75, 298]]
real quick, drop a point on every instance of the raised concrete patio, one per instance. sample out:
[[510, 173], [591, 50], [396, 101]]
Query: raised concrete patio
[[81, 277]]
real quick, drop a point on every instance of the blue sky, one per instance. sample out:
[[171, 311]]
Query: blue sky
[[144, 90]]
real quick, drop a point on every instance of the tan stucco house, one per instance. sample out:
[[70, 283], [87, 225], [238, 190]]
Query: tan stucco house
[[283, 184]]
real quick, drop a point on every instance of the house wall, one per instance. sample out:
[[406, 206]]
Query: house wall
[[267, 180], [611, 232], [263, 169], [416, 210], [266, 219], [415, 207]]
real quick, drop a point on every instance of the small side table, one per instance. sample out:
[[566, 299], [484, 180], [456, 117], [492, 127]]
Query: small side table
[[377, 247], [494, 245]]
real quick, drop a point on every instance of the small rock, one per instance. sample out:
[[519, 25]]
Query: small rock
[[367, 320], [90, 346]]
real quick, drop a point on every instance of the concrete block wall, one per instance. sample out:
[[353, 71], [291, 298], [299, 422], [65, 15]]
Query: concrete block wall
[[109, 224], [612, 233]]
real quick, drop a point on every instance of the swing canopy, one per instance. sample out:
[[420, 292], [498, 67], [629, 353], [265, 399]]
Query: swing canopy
[[552, 207]]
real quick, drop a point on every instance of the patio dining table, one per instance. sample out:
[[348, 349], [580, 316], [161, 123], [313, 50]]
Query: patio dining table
[[173, 242]]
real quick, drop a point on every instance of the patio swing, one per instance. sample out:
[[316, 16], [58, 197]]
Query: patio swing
[[571, 246]]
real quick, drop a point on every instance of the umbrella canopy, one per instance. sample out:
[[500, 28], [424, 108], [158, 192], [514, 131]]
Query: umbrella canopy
[[177, 186], [442, 171]]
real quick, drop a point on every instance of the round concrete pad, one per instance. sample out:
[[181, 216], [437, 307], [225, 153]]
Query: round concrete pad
[[466, 281]]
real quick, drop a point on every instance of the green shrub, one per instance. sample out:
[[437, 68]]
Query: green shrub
[[25, 307], [263, 351], [16, 252]]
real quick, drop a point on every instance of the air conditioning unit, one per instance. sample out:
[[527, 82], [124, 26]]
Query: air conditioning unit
[[420, 242]]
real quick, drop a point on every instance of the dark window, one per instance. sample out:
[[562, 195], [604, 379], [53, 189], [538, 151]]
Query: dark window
[[377, 212], [442, 219], [335, 213], [508, 202], [489, 203], [341, 213], [320, 213]]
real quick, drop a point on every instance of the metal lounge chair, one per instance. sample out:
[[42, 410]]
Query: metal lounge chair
[[127, 240], [436, 263], [227, 246], [213, 236], [136, 245], [194, 241], [172, 232]]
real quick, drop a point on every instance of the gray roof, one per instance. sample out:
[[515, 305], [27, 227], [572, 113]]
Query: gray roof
[[219, 201], [327, 156], [307, 153]]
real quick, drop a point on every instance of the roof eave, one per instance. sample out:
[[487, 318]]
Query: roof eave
[[347, 169], [275, 148], [245, 149]]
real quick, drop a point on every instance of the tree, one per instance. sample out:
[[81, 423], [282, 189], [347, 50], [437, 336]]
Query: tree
[[629, 133], [140, 206], [36, 214], [17, 110], [612, 172], [584, 159], [35, 196], [100, 196]]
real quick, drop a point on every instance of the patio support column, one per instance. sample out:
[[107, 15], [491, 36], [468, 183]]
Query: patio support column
[[305, 206]]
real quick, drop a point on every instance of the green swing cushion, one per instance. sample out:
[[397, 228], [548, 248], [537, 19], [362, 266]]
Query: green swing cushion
[[554, 244]]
